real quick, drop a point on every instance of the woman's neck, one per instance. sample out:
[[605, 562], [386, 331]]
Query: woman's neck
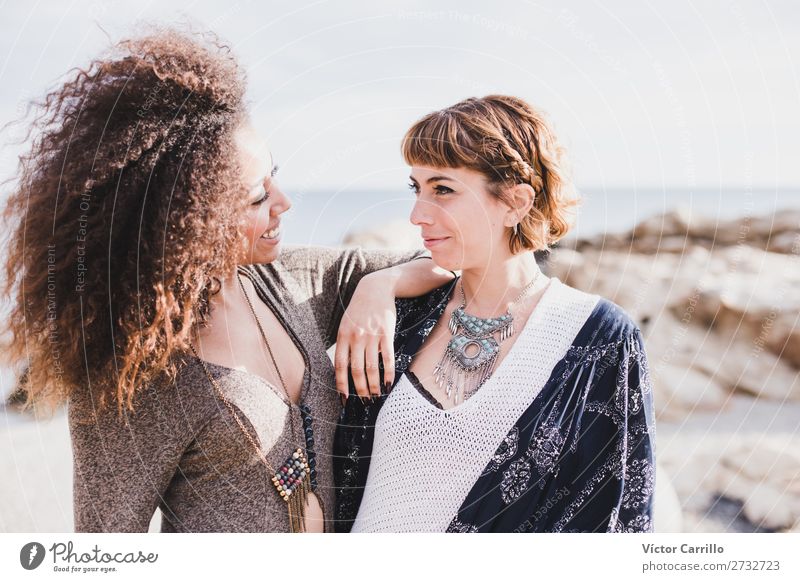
[[490, 290], [229, 298], [229, 289]]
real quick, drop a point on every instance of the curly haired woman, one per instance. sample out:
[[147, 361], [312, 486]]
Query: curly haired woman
[[521, 404], [150, 294]]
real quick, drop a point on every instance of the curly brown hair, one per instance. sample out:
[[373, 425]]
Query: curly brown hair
[[124, 212], [509, 142]]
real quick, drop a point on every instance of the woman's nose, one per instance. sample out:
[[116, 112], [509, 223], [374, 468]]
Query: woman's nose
[[282, 204], [420, 214]]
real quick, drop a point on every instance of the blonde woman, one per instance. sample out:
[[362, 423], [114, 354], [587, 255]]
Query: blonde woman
[[520, 403]]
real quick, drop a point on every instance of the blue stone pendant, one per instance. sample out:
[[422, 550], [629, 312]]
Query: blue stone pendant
[[470, 353], [480, 328]]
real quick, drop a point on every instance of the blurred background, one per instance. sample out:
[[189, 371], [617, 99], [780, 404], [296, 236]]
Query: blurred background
[[681, 124]]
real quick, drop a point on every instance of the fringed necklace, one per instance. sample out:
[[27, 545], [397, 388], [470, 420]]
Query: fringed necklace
[[471, 354], [297, 476]]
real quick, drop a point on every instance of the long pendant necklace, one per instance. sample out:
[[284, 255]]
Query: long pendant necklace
[[297, 476], [471, 354]]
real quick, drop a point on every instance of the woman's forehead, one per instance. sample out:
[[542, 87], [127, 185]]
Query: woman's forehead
[[466, 176], [255, 157]]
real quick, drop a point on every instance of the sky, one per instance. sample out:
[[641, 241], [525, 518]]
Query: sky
[[643, 94]]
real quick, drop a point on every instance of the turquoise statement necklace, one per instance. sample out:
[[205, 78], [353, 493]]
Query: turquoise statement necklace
[[471, 354]]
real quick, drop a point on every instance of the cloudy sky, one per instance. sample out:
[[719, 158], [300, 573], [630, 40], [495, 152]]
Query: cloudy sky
[[644, 94]]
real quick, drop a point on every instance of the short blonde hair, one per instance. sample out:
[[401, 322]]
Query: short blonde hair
[[510, 143]]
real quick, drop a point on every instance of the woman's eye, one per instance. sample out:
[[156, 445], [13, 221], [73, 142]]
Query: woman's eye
[[262, 198], [414, 187], [443, 190]]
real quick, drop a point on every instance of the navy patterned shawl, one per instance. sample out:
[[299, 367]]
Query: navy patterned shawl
[[581, 458]]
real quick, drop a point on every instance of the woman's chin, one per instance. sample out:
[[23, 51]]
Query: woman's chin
[[445, 261], [262, 254]]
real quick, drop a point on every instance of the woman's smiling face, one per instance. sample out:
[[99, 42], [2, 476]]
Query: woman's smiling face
[[266, 201], [462, 223]]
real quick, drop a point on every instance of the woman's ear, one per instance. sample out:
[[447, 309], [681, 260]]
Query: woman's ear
[[522, 197]]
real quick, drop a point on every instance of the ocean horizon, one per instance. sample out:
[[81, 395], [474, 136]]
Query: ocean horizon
[[325, 217]]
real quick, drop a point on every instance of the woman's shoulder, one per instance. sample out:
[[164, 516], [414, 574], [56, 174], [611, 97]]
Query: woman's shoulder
[[608, 321], [183, 397], [610, 339], [415, 310], [298, 274]]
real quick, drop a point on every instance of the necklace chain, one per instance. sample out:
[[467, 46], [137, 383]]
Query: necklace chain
[[287, 400], [266, 342]]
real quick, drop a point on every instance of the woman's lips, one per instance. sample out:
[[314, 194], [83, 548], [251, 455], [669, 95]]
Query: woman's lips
[[272, 236], [434, 242]]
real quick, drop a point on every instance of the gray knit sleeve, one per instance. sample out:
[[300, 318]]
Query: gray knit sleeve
[[124, 464], [328, 277]]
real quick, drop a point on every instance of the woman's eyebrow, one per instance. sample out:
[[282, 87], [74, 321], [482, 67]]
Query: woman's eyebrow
[[272, 173], [433, 179], [439, 179]]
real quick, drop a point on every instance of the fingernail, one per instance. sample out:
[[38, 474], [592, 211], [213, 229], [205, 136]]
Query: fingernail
[[343, 398], [388, 387]]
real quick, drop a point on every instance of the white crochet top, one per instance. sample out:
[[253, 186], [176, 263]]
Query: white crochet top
[[425, 460]]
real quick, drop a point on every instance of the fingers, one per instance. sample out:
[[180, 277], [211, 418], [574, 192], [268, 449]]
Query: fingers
[[372, 367], [341, 362], [359, 356], [357, 370], [387, 353]]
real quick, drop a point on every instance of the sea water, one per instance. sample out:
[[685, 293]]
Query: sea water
[[326, 217]]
